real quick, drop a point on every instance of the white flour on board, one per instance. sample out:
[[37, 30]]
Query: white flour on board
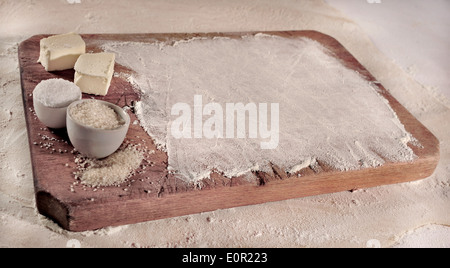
[[327, 112]]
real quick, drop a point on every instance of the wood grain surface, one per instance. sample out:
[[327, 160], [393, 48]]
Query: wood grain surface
[[153, 193]]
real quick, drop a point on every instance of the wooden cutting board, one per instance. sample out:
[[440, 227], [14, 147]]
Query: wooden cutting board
[[152, 193]]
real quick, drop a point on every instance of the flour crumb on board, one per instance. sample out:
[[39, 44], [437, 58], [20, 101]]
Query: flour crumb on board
[[328, 113]]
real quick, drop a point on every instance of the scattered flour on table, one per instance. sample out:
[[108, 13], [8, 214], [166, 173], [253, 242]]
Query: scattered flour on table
[[327, 112], [427, 236]]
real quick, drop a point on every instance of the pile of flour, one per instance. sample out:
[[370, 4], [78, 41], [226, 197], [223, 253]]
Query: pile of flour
[[327, 112]]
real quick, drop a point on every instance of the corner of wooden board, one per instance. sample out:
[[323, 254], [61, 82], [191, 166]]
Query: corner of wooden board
[[53, 208]]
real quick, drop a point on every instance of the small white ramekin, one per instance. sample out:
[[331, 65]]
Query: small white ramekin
[[95, 142]]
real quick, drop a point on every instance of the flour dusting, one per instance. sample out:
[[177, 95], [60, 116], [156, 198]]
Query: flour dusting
[[327, 112]]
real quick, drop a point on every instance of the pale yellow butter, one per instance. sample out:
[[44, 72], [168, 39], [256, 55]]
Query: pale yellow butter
[[60, 52], [93, 72]]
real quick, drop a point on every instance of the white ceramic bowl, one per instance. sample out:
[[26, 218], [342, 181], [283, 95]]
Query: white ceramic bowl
[[49, 116], [54, 116], [95, 142]]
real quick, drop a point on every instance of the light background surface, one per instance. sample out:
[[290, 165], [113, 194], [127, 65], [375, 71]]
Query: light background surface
[[414, 34]]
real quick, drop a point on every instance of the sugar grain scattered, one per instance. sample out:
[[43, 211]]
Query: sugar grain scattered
[[112, 170]]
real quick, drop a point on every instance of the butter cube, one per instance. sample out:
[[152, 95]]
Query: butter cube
[[60, 52], [93, 72]]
